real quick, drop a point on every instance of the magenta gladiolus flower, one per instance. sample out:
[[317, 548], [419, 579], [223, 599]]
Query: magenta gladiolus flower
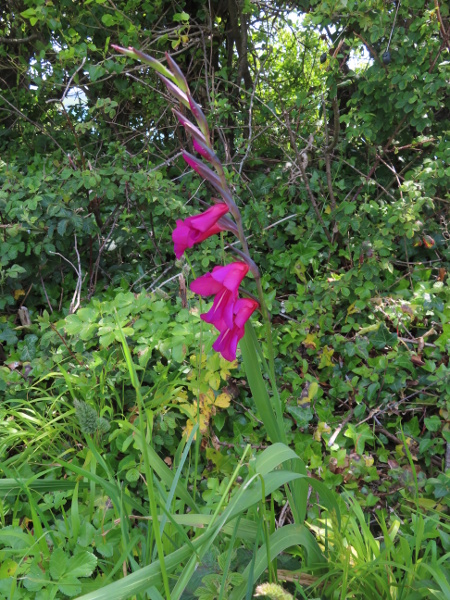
[[196, 229], [224, 283], [228, 339]]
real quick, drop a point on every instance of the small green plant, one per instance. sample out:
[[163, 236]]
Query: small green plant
[[88, 419]]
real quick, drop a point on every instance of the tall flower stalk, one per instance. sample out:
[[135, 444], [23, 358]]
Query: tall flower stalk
[[229, 313]]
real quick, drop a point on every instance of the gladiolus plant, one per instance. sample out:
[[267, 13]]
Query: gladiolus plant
[[232, 306]]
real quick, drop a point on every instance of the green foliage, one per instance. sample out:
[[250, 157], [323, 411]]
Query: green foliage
[[116, 415]]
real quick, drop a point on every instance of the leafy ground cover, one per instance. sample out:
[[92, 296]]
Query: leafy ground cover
[[135, 460]]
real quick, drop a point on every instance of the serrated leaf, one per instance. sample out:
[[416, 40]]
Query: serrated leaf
[[82, 564], [72, 324], [62, 226], [35, 579], [58, 563], [69, 585]]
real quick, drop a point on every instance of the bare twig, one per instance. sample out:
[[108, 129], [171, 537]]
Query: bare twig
[[45, 291], [6, 40], [329, 147], [250, 116], [76, 300]]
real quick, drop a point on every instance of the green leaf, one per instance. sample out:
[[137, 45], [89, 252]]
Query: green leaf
[[360, 435], [69, 585], [433, 423], [82, 564], [272, 457], [58, 563], [383, 338], [258, 387], [35, 579]]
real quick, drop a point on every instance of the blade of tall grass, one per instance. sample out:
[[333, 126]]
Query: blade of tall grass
[[161, 469], [272, 457], [110, 489], [13, 486], [251, 566], [75, 513], [229, 555]]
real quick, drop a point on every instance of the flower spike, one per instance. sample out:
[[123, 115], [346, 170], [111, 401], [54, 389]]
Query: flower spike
[[149, 60], [177, 73], [175, 90], [199, 117]]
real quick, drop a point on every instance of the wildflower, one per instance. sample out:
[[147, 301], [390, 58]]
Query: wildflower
[[194, 230], [224, 283], [228, 339]]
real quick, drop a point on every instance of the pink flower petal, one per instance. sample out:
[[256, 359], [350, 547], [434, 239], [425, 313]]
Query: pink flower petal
[[226, 345], [231, 275], [229, 336], [243, 309], [206, 152], [221, 313], [197, 228], [205, 285]]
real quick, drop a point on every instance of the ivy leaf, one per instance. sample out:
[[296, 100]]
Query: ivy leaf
[[9, 336], [383, 337], [360, 435], [325, 358]]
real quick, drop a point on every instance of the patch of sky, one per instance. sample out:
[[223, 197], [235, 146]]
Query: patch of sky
[[75, 96]]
